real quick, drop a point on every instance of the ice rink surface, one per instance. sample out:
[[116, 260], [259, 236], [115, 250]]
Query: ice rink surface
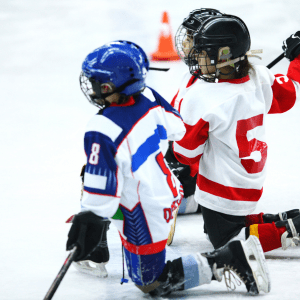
[[43, 115]]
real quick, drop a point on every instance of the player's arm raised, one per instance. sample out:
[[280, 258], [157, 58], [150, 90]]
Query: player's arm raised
[[285, 88]]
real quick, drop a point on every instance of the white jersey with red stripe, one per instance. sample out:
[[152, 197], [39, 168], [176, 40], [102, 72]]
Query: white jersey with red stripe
[[126, 171], [225, 131]]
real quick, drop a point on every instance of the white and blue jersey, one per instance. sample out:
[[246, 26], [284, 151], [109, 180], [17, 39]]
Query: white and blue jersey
[[125, 147]]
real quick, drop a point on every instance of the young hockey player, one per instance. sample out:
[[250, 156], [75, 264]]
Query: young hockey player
[[223, 101], [127, 181]]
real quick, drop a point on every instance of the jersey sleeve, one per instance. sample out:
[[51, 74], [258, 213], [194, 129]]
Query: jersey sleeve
[[103, 179], [190, 148], [286, 88], [172, 119]]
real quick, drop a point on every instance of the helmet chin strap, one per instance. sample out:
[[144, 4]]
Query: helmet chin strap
[[250, 53]]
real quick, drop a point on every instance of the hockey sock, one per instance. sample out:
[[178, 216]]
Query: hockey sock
[[183, 273], [254, 219], [268, 234], [197, 270]]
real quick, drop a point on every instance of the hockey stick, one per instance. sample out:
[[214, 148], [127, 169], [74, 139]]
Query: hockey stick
[[269, 66], [61, 273], [275, 61], [159, 69]]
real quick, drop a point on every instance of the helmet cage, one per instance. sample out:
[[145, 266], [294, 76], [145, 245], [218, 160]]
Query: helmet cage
[[96, 92], [208, 63], [181, 35], [190, 26]]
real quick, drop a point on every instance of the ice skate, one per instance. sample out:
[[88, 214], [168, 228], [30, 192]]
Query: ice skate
[[97, 260], [235, 257], [91, 268], [290, 238], [282, 216]]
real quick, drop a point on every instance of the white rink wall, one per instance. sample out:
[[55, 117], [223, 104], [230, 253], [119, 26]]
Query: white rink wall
[[42, 119]]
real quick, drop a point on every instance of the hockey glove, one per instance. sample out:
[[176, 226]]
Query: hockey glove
[[87, 232], [291, 46]]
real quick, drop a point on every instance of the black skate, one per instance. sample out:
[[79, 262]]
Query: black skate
[[290, 214], [235, 257], [291, 236], [95, 265]]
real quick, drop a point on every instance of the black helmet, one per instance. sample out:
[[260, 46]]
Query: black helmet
[[210, 31]]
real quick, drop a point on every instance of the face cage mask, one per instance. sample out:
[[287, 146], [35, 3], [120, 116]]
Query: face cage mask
[[182, 35], [207, 70], [87, 89], [93, 90]]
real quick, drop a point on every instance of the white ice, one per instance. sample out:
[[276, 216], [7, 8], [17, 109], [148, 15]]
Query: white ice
[[43, 115]]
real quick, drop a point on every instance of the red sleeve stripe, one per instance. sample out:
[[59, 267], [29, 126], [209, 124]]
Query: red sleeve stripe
[[195, 135], [227, 192], [284, 94], [144, 249], [294, 69], [187, 160], [188, 153]]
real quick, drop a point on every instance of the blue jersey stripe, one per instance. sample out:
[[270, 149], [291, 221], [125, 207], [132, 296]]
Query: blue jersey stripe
[[148, 147]]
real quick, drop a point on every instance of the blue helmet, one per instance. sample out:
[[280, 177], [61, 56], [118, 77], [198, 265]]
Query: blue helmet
[[120, 63]]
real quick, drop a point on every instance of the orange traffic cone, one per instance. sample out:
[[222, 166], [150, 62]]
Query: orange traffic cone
[[166, 49]]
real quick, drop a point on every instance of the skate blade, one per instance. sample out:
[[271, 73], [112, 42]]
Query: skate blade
[[252, 247], [91, 268]]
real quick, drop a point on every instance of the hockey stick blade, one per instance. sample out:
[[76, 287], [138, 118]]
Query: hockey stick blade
[[275, 61], [159, 69], [73, 253]]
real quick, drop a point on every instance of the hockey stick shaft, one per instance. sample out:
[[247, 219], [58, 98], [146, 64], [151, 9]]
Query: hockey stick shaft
[[159, 69], [61, 273], [275, 61]]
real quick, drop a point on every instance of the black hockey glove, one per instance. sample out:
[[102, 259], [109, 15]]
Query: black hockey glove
[[87, 232], [182, 172], [291, 46]]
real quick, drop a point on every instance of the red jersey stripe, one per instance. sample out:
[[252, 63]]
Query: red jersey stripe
[[144, 249], [227, 192]]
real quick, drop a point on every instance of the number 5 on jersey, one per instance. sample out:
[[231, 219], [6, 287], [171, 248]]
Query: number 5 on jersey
[[247, 147], [94, 156]]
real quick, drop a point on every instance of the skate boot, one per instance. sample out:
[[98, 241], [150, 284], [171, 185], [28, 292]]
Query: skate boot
[[290, 214], [235, 257], [291, 236]]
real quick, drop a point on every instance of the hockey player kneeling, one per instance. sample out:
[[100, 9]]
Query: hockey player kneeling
[[125, 144], [224, 100]]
